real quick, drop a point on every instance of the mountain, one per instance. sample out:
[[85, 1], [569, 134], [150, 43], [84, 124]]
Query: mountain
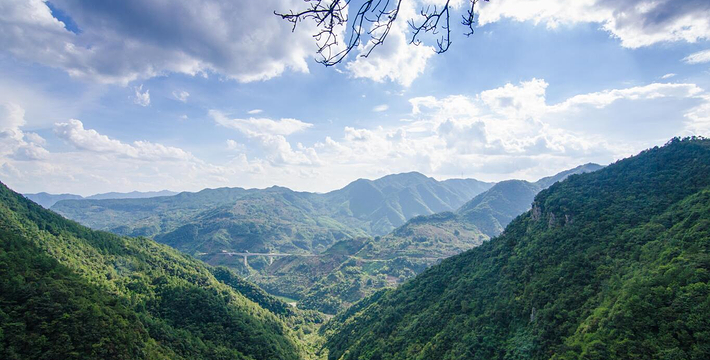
[[390, 201], [612, 264], [272, 220], [131, 195], [68, 292], [276, 218], [333, 283], [423, 241], [48, 200], [449, 233], [492, 210]]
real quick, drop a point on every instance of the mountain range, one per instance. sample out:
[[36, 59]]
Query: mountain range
[[483, 217], [445, 218], [276, 218], [68, 292], [389, 260], [612, 264], [48, 200]]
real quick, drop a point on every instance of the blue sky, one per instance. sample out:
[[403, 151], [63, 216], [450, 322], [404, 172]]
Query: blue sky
[[141, 95]]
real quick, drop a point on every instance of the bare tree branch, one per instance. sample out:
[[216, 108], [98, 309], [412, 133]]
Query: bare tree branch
[[331, 18]]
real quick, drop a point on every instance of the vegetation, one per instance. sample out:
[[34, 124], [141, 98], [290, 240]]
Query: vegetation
[[67, 292], [365, 207], [486, 214], [387, 261], [613, 264], [358, 278], [343, 265], [279, 220]]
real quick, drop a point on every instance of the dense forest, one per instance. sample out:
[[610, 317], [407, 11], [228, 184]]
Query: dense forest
[[287, 220], [386, 261], [68, 292], [612, 264], [336, 261]]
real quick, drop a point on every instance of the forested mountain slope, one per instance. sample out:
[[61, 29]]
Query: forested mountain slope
[[449, 233], [68, 292], [612, 264], [390, 201], [276, 218], [492, 210]]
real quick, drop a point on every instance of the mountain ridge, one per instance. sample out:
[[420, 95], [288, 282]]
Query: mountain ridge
[[47, 200], [346, 207], [71, 292], [611, 264]]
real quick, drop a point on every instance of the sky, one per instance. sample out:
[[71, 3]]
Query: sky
[[188, 94]]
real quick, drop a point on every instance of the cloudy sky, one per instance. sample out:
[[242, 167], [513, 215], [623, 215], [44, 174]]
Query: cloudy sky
[[100, 96]]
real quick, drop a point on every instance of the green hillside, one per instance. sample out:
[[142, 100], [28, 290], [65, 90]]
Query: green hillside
[[485, 216], [390, 201], [67, 292], [330, 283], [612, 264], [281, 221], [275, 218], [284, 221]]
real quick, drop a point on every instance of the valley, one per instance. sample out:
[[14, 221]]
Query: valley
[[326, 251], [354, 180], [573, 276], [611, 264]]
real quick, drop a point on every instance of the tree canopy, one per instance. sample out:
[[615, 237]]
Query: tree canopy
[[345, 25]]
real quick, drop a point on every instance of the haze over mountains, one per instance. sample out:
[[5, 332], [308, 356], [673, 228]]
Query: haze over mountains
[[47, 200], [421, 242], [481, 218]]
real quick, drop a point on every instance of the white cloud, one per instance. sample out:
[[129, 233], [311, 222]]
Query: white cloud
[[136, 39], [380, 108], [255, 111], [278, 151], [361, 135], [14, 142], [30, 152], [648, 92], [258, 126], [73, 132], [233, 145], [668, 76], [270, 137], [699, 118], [141, 98], [512, 131], [36, 139], [181, 95], [13, 117], [699, 57], [396, 59], [636, 23]]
